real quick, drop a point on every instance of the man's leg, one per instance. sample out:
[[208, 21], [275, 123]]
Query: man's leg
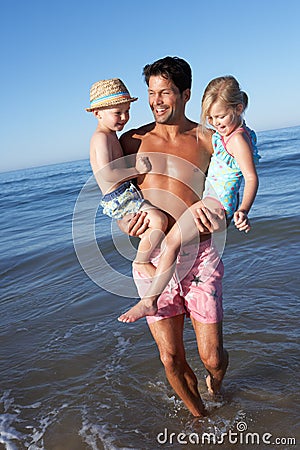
[[168, 334], [213, 355]]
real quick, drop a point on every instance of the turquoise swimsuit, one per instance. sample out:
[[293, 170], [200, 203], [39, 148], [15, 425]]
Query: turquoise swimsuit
[[224, 176]]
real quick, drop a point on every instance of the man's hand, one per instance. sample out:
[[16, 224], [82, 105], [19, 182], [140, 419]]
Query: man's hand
[[209, 216], [134, 224]]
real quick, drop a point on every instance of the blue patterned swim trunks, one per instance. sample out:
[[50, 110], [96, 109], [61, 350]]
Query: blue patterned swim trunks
[[126, 199]]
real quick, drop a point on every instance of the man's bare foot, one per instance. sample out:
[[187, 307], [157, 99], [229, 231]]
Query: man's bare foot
[[147, 268], [142, 309]]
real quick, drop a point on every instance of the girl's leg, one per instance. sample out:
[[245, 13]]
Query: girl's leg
[[182, 232], [147, 306]]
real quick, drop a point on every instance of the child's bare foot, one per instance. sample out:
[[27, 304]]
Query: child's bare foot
[[147, 268], [208, 384], [142, 309], [212, 387]]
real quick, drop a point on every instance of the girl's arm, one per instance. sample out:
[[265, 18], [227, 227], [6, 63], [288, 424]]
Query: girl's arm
[[240, 148]]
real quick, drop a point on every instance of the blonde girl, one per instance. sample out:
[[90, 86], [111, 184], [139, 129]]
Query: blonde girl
[[234, 149]]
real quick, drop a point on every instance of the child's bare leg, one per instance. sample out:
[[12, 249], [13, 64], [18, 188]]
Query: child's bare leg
[[149, 241], [147, 306], [182, 232]]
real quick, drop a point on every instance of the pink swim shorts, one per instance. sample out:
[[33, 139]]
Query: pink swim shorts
[[196, 287]]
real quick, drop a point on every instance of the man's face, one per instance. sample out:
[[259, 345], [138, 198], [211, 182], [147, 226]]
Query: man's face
[[165, 100]]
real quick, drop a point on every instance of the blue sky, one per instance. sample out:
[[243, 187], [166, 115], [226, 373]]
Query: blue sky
[[52, 51]]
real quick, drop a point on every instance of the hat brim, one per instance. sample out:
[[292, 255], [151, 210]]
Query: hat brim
[[105, 105]]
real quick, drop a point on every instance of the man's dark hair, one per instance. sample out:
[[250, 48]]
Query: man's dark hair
[[172, 68]]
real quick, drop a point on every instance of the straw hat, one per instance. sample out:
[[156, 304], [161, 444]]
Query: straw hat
[[111, 92]]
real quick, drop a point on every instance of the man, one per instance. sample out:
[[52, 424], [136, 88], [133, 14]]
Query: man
[[179, 153]]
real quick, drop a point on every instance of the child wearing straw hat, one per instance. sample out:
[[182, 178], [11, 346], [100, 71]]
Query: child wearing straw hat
[[110, 104]]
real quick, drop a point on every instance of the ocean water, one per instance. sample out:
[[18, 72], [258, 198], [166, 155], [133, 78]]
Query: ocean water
[[74, 378]]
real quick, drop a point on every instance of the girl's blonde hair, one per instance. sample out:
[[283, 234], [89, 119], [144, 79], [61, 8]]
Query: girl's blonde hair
[[225, 89]]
